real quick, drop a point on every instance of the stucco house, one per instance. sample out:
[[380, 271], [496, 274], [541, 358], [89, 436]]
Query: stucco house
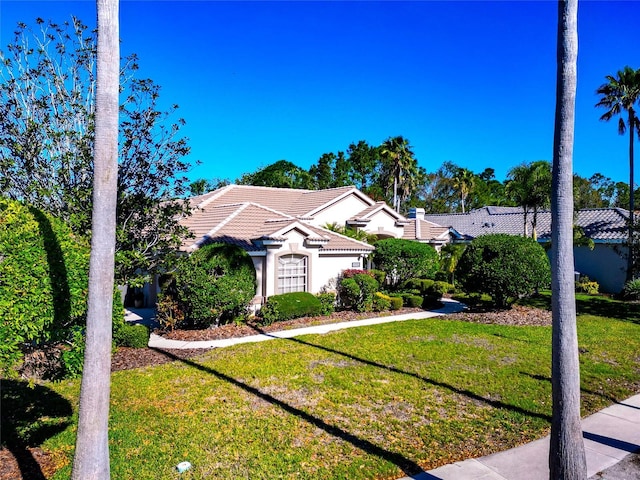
[[607, 227], [283, 232]]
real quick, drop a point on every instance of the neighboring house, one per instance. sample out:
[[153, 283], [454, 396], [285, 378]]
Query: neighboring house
[[607, 227], [282, 231]]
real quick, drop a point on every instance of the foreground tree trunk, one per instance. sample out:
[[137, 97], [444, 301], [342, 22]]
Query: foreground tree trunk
[[91, 460], [566, 454]]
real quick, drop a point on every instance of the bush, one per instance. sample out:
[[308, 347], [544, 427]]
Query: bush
[[44, 271], [418, 284], [434, 292], [290, 305], [134, 336], [396, 303], [588, 286], [404, 259], [327, 303], [632, 289], [358, 291], [379, 275], [213, 285], [381, 302], [411, 300], [506, 267]]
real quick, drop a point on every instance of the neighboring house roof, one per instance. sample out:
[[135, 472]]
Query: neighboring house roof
[[249, 216], [600, 224], [425, 231]]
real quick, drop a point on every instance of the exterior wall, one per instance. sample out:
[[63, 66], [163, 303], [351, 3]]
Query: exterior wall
[[606, 264], [383, 222], [330, 266], [340, 212]]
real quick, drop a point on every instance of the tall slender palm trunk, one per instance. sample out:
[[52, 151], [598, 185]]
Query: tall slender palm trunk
[[566, 454], [630, 257], [91, 460]]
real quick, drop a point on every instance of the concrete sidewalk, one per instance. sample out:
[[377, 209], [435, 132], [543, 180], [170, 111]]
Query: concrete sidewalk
[[609, 436], [157, 341]]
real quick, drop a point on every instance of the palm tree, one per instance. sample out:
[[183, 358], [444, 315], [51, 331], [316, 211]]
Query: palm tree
[[464, 181], [619, 95], [529, 185], [566, 449], [91, 458], [400, 168]]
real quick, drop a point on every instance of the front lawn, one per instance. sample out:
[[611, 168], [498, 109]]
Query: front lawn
[[374, 402]]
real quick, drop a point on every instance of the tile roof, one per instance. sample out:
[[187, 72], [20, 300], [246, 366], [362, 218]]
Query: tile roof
[[244, 223], [421, 230], [294, 202], [599, 224]]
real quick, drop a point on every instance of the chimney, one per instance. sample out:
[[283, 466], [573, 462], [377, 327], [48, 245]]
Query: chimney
[[416, 213]]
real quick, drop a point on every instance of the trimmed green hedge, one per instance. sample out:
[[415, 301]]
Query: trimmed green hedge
[[290, 305], [44, 271], [403, 259]]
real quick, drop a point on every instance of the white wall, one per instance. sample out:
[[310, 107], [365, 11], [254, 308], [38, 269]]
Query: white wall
[[382, 221], [340, 212]]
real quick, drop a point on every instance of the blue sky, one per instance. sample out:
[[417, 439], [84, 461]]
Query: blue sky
[[469, 82]]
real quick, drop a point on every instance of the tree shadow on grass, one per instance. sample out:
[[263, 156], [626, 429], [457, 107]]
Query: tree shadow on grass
[[435, 383], [408, 466], [30, 415], [602, 307]]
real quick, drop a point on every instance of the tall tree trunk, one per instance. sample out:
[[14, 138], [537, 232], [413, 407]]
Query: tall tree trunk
[[630, 259], [91, 460], [566, 454]]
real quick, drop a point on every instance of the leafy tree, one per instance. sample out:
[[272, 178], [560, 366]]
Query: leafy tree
[[91, 458], [202, 186], [322, 171], [585, 195], [404, 259], [399, 169], [364, 161], [503, 266], [281, 174], [341, 171], [47, 130], [566, 449], [214, 284], [619, 95], [450, 255]]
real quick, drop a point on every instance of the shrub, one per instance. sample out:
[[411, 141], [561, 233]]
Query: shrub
[[43, 285], [588, 286], [351, 272], [290, 305], [379, 275], [349, 293], [327, 303], [381, 302], [419, 284], [632, 289], [434, 292], [506, 267], [411, 300], [396, 303], [358, 291], [213, 285], [404, 259], [134, 336]]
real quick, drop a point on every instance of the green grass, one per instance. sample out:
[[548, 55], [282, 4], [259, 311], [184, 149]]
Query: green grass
[[363, 403]]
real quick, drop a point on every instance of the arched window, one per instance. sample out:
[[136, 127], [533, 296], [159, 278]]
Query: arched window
[[292, 273]]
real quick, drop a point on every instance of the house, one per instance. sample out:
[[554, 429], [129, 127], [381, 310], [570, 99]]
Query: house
[[606, 227], [283, 231]]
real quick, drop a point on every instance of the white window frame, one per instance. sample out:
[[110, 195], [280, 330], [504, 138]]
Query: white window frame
[[293, 270]]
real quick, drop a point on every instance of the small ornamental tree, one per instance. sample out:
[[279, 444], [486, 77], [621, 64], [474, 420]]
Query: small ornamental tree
[[506, 267], [405, 259], [214, 284]]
